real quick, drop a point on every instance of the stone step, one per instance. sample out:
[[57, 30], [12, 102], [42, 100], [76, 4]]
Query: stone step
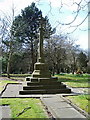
[[47, 80], [37, 87], [40, 75], [54, 79], [43, 83], [31, 79], [45, 91]]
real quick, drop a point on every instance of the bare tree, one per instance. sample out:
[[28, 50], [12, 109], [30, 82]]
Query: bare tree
[[6, 35], [80, 6], [55, 51]]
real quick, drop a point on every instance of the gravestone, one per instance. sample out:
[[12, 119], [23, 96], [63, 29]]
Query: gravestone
[[41, 81]]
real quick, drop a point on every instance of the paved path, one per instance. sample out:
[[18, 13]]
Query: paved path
[[61, 109], [55, 103], [5, 112], [12, 90]]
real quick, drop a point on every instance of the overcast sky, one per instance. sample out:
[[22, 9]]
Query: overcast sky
[[51, 8]]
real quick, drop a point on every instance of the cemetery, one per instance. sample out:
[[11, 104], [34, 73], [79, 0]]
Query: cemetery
[[43, 80]]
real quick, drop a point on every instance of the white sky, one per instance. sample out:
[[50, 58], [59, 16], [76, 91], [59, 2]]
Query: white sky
[[54, 15]]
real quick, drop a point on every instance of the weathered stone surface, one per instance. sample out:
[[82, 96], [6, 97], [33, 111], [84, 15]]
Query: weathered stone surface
[[45, 91], [44, 86], [41, 70]]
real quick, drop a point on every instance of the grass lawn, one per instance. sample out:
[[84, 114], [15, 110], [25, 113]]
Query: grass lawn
[[4, 82], [77, 81], [16, 75], [81, 101], [25, 108], [74, 80], [18, 78]]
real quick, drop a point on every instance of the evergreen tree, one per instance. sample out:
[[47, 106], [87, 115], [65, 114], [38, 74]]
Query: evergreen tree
[[26, 29]]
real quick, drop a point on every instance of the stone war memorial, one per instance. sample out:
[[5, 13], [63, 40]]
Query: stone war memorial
[[41, 81]]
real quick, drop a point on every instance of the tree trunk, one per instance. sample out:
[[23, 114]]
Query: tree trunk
[[9, 65], [53, 71], [58, 71], [73, 71], [58, 68], [74, 64]]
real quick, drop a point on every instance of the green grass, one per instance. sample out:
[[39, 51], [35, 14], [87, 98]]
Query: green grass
[[77, 81], [18, 78], [32, 107], [81, 101], [4, 82], [74, 80], [16, 75]]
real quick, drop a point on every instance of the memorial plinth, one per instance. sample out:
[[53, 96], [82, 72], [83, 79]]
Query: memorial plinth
[[41, 81]]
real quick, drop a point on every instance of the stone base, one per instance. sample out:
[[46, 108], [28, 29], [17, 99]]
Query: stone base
[[43, 86], [41, 82], [41, 70]]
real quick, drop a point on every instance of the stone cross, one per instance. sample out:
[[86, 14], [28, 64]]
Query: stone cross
[[40, 52], [40, 67], [41, 81]]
